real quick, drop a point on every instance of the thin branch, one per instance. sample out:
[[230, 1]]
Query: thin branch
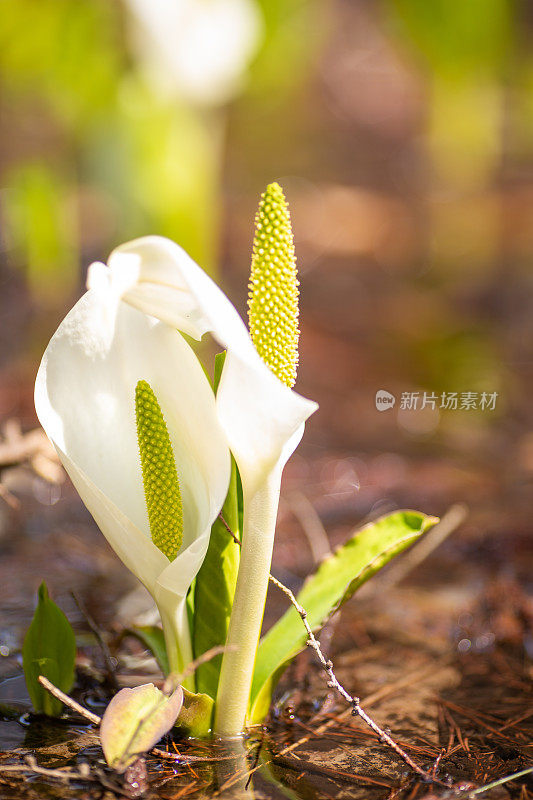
[[227, 527], [334, 683], [68, 701], [50, 773], [12, 501], [175, 679], [170, 684], [84, 773], [96, 720], [332, 680], [370, 699]]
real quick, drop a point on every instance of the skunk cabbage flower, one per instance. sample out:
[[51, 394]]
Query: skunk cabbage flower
[[133, 418], [123, 339], [262, 417]]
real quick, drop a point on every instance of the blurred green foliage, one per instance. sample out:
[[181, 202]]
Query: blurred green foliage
[[292, 35], [40, 219], [96, 153], [458, 39], [467, 51], [68, 55], [66, 69], [93, 154]]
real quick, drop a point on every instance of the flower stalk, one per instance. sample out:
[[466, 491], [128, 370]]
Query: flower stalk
[[260, 513], [273, 322]]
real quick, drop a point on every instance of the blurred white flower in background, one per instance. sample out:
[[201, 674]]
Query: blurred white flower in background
[[199, 49]]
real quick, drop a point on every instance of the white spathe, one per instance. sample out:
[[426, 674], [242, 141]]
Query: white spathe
[[85, 401], [262, 418]]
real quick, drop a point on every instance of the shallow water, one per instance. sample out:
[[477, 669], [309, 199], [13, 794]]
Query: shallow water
[[412, 677]]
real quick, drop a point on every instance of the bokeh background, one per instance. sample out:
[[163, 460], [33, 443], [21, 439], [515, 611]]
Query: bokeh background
[[402, 133]]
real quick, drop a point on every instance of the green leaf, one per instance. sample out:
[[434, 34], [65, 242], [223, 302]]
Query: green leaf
[[189, 602], [215, 582], [220, 360], [334, 582], [153, 638], [49, 649], [134, 721], [464, 41], [214, 591]]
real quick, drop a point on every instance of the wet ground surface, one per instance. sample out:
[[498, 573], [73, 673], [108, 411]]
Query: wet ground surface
[[440, 654]]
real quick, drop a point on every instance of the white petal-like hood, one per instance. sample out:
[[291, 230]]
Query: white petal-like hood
[[262, 418], [85, 401]]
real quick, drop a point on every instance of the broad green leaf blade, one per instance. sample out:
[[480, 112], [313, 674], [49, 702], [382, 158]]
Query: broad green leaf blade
[[214, 591], [153, 638], [215, 583], [134, 721], [334, 582], [50, 650]]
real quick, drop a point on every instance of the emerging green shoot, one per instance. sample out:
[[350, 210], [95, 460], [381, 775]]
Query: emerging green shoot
[[50, 650], [273, 289], [160, 477]]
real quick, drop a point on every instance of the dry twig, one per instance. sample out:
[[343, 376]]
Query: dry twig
[[68, 701], [332, 680], [66, 774], [174, 680], [334, 683], [96, 720]]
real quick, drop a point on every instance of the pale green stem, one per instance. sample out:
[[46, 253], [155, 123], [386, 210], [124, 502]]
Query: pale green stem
[[178, 642], [260, 511]]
